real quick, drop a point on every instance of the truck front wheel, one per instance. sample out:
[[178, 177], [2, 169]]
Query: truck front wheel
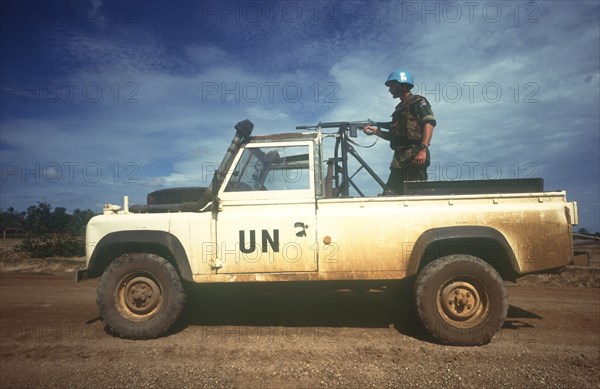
[[461, 300], [140, 296]]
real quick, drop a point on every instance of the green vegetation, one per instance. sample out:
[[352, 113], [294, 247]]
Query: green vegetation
[[584, 231], [48, 233]]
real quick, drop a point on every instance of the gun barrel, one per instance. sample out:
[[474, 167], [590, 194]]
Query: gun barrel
[[367, 122]]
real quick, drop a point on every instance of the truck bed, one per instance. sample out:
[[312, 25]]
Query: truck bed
[[522, 185]]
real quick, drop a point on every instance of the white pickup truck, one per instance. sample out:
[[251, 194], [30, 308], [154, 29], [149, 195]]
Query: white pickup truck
[[278, 211]]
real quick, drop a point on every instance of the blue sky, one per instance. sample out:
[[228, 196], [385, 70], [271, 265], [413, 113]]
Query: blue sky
[[104, 99]]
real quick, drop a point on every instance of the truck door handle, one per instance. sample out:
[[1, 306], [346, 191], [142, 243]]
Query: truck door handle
[[301, 225]]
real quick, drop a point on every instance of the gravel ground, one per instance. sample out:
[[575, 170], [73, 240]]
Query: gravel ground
[[294, 336]]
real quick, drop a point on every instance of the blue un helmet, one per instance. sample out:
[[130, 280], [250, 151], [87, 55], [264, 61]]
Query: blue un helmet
[[402, 76]]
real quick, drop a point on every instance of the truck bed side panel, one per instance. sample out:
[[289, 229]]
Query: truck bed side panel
[[379, 235]]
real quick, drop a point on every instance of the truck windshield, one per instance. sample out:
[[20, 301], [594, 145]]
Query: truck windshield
[[271, 168]]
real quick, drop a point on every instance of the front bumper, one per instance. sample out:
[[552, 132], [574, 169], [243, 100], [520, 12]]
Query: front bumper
[[80, 274]]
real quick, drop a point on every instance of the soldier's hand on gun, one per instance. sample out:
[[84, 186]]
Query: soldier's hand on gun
[[370, 130]]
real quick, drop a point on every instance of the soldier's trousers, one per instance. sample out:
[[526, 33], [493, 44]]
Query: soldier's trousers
[[408, 172]]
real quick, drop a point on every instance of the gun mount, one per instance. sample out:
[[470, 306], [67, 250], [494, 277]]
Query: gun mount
[[338, 170]]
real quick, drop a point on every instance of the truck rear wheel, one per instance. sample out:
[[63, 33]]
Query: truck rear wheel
[[140, 296], [461, 300]]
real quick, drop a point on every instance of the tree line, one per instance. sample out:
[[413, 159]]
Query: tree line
[[49, 232], [583, 231]]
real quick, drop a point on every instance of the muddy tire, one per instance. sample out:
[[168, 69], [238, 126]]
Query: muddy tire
[[140, 296], [461, 300]]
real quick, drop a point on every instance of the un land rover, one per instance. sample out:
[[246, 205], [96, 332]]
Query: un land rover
[[278, 210]]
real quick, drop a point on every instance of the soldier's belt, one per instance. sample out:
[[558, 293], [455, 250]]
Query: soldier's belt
[[407, 145]]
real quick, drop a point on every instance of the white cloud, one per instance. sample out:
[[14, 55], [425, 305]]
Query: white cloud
[[180, 120]]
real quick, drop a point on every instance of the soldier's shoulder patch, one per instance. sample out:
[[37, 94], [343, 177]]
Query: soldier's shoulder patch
[[419, 100], [422, 101]]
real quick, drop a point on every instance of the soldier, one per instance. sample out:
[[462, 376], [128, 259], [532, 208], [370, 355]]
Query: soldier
[[409, 134]]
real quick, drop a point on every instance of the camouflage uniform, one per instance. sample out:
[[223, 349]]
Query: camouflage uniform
[[405, 135]]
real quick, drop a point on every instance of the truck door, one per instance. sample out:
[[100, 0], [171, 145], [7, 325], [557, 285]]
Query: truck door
[[267, 217]]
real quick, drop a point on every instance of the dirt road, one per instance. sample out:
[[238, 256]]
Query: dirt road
[[290, 337]]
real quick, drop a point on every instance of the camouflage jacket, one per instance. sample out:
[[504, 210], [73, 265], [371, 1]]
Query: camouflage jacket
[[406, 127]]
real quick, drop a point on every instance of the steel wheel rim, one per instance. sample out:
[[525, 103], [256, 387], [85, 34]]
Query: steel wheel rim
[[463, 301], [139, 296]]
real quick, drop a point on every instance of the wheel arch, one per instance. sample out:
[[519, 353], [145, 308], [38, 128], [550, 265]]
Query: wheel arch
[[161, 243], [483, 242]]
